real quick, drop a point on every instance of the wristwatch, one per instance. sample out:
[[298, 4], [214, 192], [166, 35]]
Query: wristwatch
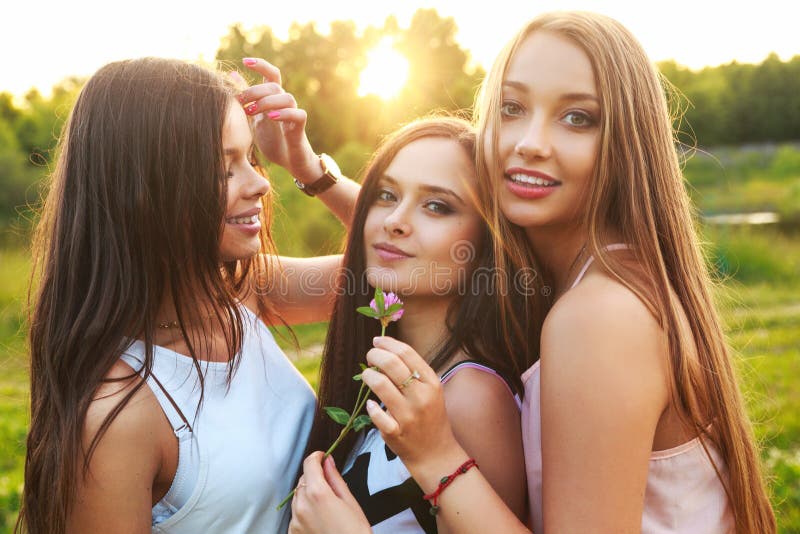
[[330, 175]]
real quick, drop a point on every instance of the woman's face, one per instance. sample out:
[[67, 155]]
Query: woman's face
[[422, 230], [240, 234], [549, 132]]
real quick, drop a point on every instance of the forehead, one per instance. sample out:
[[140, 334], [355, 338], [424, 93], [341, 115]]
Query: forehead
[[236, 129], [546, 61], [433, 161]]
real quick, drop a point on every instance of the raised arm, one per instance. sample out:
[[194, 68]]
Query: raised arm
[[281, 136]]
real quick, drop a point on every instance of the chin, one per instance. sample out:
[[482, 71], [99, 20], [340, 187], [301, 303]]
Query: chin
[[384, 278], [238, 253]]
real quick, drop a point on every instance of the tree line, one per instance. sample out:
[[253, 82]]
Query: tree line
[[728, 104]]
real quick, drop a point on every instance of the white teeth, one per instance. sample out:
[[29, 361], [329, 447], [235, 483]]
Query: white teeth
[[532, 180], [244, 220]]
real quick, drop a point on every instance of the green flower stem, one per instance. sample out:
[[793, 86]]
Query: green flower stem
[[361, 400]]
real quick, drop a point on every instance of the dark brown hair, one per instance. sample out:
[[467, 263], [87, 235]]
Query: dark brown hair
[[133, 216], [472, 318]]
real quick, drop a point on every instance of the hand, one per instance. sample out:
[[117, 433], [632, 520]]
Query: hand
[[323, 502], [415, 424], [279, 124]]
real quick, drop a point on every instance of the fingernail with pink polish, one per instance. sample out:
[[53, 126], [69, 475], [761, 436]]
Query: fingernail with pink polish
[[250, 109], [274, 114], [249, 61]]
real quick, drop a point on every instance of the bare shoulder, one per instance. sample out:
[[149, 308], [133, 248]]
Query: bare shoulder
[[474, 396], [140, 412], [116, 492], [603, 330]]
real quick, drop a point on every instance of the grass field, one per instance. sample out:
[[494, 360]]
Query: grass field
[[760, 304]]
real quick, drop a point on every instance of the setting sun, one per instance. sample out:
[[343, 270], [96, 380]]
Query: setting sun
[[386, 71]]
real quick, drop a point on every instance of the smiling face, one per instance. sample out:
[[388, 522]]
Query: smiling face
[[422, 229], [240, 233], [549, 132]]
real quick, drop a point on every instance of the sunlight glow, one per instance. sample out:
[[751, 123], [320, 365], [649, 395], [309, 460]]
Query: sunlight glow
[[386, 71]]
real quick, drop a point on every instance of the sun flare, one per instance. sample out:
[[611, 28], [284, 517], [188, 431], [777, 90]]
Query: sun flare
[[386, 71]]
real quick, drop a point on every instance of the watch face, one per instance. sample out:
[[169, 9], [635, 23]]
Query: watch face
[[330, 165]]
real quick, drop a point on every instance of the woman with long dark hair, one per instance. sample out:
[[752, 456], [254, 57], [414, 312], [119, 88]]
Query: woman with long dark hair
[[417, 231], [159, 398]]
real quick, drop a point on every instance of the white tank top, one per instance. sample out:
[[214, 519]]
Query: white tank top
[[239, 455]]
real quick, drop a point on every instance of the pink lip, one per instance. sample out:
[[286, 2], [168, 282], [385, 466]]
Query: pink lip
[[530, 191], [390, 252], [248, 213], [251, 229]]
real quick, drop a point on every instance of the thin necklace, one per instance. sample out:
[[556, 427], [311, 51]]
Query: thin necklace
[[165, 325]]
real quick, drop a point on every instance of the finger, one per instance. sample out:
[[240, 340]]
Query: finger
[[390, 364], [251, 94], [409, 356], [271, 103], [238, 82], [316, 485], [270, 72], [387, 391], [384, 422], [335, 480]]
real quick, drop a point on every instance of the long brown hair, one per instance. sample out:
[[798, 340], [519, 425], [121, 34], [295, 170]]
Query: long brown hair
[[637, 192], [472, 318], [133, 216]]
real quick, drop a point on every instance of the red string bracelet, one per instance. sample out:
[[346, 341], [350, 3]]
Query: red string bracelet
[[446, 481]]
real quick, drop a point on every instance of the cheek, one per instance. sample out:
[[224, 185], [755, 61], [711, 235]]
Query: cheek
[[582, 155]]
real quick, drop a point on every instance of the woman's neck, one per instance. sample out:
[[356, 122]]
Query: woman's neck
[[424, 323], [560, 252]]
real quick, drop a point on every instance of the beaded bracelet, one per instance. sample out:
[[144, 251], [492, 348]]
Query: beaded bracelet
[[446, 481]]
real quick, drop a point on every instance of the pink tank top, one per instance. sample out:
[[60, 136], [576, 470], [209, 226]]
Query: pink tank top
[[683, 492]]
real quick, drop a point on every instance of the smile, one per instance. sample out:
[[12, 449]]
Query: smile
[[520, 178], [243, 220]]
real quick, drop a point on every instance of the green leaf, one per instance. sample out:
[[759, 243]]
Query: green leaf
[[379, 302], [337, 414], [361, 421], [366, 310], [363, 366], [394, 307], [357, 377]]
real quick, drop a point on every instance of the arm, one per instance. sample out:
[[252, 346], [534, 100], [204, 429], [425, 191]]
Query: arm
[[486, 423], [415, 425], [604, 385], [280, 135], [301, 290], [116, 495]]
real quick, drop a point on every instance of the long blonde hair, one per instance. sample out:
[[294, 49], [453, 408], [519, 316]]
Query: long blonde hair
[[638, 192]]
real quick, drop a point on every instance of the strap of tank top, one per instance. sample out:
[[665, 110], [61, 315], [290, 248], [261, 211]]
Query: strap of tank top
[[609, 248], [472, 364], [185, 426]]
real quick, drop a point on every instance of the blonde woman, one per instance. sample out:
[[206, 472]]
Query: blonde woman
[[632, 419]]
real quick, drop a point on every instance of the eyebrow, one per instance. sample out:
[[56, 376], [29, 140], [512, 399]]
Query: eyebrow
[[428, 188], [566, 96]]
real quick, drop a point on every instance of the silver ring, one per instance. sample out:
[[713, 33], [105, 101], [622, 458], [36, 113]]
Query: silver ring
[[414, 376]]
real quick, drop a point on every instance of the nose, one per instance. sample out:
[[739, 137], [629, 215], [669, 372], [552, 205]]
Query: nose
[[535, 142], [257, 184], [397, 222]]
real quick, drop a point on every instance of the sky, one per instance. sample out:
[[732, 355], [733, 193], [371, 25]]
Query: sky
[[43, 42]]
